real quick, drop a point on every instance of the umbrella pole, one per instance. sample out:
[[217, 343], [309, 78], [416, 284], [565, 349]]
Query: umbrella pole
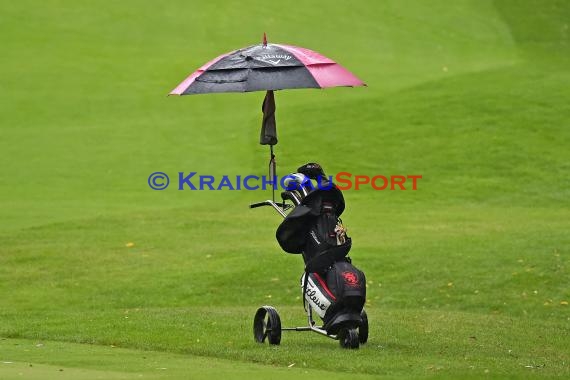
[[272, 172]]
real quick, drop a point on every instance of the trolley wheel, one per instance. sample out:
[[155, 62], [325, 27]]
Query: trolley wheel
[[267, 324], [363, 328], [348, 338]]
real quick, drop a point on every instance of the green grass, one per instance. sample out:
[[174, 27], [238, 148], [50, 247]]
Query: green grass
[[468, 275], [75, 361]]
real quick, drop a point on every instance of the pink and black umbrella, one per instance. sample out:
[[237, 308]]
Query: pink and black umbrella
[[267, 67]]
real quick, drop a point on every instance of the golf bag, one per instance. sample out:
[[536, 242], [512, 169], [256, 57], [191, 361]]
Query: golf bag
[[337, 295], [332, 286]]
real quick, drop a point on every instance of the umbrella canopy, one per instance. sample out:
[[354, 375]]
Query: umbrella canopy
[[267, 67]]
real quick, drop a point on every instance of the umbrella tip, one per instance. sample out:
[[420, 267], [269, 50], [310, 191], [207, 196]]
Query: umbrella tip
[[264, 39]]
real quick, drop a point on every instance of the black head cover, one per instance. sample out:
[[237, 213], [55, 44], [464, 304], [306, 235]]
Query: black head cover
[[312, 170]]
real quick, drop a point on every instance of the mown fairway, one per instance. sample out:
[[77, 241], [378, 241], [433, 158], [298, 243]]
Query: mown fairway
[[468, 275]]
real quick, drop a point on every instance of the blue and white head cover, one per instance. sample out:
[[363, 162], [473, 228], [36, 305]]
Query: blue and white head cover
[[298, 181]]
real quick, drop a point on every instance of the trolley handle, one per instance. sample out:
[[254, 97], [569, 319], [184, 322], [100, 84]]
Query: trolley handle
[[260, 204], [279, 207], [269, 203]]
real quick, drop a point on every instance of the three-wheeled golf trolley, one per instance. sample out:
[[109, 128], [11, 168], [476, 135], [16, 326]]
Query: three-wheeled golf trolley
[[332, 287]]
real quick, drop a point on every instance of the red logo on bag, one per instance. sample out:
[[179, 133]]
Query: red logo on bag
[[350, 278]]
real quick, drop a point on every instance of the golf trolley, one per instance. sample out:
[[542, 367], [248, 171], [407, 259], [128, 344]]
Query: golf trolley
[[332, 287]]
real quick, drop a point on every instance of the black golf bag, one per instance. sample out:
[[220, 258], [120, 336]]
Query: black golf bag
[[331, 285]]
